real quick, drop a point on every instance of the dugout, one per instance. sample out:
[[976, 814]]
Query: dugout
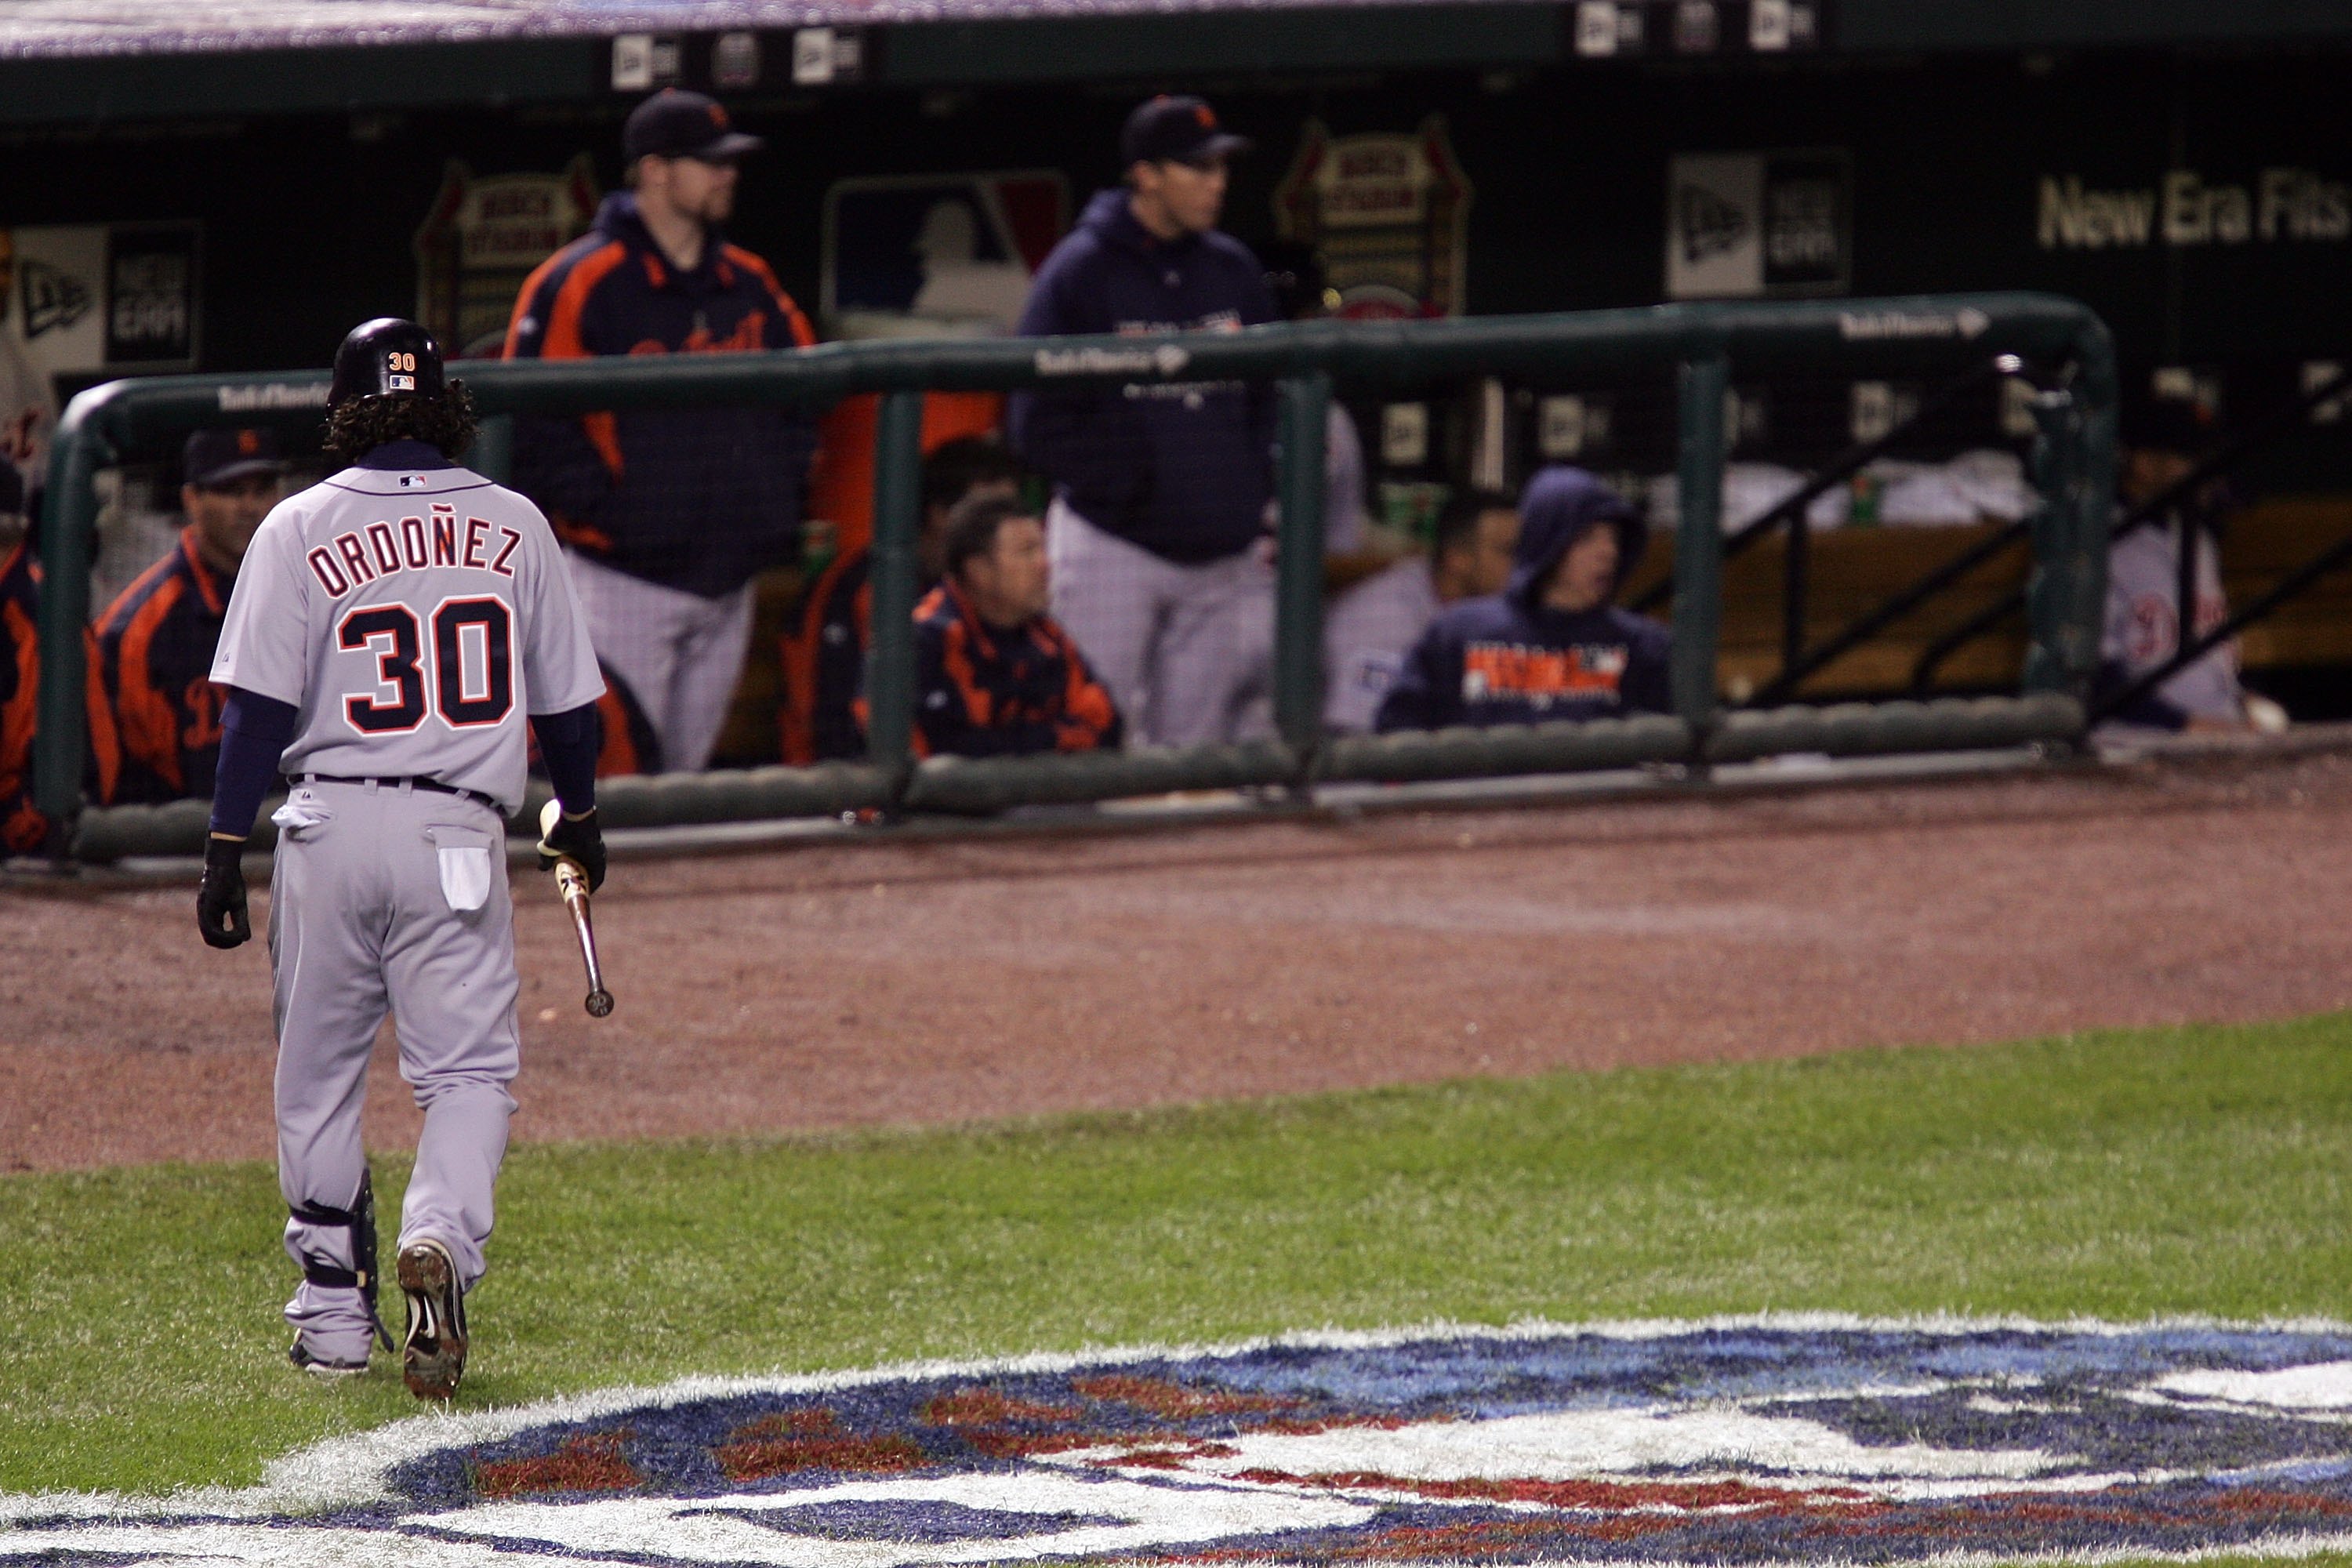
[[2177, 167]]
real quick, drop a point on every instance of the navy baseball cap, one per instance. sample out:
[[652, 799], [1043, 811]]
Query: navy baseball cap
[[1177, 130], [215, 457], [675, 123]]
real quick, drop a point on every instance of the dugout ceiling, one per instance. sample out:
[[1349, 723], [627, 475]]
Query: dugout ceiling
[[2196, 197], [103, 61]]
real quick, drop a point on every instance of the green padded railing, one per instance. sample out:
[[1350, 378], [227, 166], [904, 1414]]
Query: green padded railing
[[1699, 344]]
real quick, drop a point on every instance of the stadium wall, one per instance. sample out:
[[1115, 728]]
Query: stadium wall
[[1964, 172]]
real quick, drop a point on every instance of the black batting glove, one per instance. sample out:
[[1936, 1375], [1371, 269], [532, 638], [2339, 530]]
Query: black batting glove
[[578, 839], [220, 897]]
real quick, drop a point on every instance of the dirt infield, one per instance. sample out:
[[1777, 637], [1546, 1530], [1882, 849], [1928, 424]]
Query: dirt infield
[[929, 981]]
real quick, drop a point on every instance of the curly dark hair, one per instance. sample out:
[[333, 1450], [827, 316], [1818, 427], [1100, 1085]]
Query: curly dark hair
[[364, 423]]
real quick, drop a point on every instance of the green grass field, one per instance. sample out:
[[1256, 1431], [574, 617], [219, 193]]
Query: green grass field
[[2122, 1175]]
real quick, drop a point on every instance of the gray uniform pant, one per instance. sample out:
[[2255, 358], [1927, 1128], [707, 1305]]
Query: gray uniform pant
[[366, 917], [680, 652], [1186, 650]]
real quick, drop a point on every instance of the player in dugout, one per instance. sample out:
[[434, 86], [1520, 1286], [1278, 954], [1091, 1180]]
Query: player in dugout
[[1373, 625], [994, 674], [25, 830], [666, 514], [823, 649], [155, 642], [1552, 645]]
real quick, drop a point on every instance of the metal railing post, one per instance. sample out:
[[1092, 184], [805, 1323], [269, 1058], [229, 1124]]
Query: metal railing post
[[2057, 476], [492, 453], [1299, 568], [1796, 588], [2065, 595], [897, 503], [69, 521], [1698, 544]]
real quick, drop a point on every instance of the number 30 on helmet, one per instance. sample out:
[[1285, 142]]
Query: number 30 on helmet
[[388, 357]]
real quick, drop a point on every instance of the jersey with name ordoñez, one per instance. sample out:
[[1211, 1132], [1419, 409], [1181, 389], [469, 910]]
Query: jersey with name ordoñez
[[415, 618]]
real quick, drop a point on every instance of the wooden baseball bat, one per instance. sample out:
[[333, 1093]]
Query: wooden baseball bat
[[571, 881]]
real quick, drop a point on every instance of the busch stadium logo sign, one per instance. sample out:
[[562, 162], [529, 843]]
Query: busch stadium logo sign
[[1733, 1442], [1388, 214], [481, 238]]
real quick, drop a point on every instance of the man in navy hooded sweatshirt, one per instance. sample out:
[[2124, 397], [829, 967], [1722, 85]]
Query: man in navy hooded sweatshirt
[[1551, 645], [1161, 488]]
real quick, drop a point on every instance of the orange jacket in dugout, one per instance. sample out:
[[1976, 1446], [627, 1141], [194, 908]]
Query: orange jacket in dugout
[[155, 646], [986, 691], [24, 830]]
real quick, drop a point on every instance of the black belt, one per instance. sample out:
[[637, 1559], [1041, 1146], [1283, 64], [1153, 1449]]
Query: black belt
[[432, 786]]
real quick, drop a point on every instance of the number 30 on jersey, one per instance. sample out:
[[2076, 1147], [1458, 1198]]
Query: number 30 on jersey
[[472, 658]]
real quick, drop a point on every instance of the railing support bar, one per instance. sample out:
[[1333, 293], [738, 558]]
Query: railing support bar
[[890, 661], [1698, 545], [70, 522], [1789, 510], [1298, 570]]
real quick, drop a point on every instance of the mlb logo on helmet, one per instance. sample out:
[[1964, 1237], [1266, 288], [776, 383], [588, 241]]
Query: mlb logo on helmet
[[249, 443]]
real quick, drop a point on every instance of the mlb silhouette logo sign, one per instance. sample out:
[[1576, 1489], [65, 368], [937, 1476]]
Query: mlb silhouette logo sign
[[937, 255]]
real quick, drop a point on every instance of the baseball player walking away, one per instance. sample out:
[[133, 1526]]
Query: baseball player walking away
[[390, 629], [1161, 491]]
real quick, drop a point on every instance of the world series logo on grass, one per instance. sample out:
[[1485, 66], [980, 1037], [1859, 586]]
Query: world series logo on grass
[[1755, 1441]]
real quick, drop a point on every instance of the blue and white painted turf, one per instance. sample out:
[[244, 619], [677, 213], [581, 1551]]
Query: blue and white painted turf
[[1780, 1439]]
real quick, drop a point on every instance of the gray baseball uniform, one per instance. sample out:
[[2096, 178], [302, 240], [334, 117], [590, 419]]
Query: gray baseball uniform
[[415, 618]]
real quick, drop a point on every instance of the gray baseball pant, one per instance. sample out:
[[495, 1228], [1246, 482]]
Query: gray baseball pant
[[390, 900], [1187, 650], [680, 652]]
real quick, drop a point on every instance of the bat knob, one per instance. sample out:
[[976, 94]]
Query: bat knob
[[600, 1004]]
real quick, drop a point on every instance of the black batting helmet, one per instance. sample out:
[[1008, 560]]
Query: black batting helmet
[[387, 357]]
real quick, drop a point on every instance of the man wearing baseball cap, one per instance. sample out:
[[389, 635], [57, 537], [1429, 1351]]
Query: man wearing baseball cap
[[1161, 489], [666, 513], [155, 642]]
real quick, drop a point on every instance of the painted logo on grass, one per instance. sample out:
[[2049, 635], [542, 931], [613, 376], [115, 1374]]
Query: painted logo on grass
[[1766, 1441]]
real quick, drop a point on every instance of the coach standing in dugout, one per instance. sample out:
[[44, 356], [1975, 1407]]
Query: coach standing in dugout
[[666, 513], [1161, 490], [155, 642]]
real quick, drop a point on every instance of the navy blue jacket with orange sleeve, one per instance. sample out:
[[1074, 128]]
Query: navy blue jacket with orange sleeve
[[156, 649], [24, 830], [697, 499], [980, 691]]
